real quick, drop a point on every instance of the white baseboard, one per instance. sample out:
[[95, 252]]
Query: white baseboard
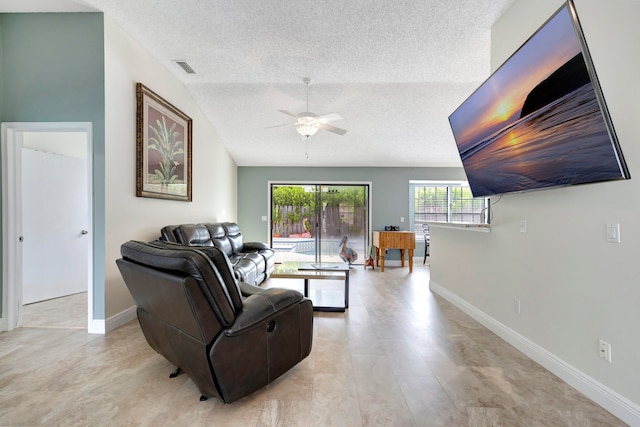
[[613, 402], [120, 319], [96, 326]]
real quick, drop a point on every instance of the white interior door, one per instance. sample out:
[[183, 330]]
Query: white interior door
[[45, 204], [54, 225]]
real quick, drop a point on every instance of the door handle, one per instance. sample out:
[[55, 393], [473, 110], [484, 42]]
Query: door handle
[[84, 232]]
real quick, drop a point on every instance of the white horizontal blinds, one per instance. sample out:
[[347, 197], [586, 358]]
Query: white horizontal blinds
[[464, 208], [445, 202], [431, 204]]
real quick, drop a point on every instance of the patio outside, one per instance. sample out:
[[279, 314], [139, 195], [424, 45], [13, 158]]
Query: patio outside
[[310, 218]]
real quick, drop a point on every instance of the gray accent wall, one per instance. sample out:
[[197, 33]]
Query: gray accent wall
[[52, 70], [389, 192]]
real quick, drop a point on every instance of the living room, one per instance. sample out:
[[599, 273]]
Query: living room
[[574, 287]]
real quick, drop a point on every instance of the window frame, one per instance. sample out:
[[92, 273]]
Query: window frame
[[449, 185]]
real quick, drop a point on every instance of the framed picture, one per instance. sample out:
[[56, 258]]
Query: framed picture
[[163, 148]]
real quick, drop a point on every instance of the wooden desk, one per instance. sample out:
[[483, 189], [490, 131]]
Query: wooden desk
[[394, 240]]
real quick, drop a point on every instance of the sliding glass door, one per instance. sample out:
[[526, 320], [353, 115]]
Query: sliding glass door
[[310, 221]]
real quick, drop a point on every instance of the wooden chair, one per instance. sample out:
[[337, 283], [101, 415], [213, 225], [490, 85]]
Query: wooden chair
[[425, 232]]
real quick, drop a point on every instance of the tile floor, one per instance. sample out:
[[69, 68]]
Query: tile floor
[[67, 312], [400, 356]]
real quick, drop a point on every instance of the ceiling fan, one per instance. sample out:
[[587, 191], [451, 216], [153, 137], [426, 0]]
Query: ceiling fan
[[308, 123]]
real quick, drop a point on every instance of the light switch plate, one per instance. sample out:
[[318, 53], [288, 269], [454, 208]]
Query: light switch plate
[[613, 233], [523, 225]]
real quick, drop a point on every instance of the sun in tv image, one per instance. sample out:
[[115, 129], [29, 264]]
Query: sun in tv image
[[537, 121]]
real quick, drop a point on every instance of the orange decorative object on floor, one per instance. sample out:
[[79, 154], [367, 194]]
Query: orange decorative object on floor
[[369, 263]]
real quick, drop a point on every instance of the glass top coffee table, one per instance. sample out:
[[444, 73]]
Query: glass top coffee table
[[316, 271]]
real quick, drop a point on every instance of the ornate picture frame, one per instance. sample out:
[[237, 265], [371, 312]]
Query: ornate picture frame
[[163, 148]]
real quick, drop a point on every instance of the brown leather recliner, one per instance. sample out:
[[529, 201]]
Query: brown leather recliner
[[230, 337]]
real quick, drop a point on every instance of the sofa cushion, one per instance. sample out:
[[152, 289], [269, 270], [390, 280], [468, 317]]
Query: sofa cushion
[[216, 230], [193, 235], [168, 234], [257, 259], [269, 259], [244, 269], [235, 236], [219, 238]]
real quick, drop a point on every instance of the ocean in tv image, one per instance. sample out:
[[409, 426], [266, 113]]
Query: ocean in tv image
[[565, 142], [536, 122]]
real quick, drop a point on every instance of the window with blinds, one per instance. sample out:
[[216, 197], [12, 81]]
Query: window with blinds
[[465, 208], [432, 201]]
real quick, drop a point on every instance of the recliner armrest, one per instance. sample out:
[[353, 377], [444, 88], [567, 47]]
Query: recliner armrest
[[259, 306], [247, 289], [254, 246]]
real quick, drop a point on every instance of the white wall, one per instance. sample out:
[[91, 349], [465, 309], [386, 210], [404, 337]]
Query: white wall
[[574, 287], [129, 217]]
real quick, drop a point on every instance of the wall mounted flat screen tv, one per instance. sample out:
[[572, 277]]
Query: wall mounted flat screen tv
[[540, 120]]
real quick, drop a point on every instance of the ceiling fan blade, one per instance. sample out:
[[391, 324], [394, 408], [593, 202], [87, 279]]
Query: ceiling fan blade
[[288, 113], [333, 129], [279, 126], [330, 117]]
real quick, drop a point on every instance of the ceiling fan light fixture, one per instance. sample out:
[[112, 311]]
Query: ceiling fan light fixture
[[306, 129], [307, 124]]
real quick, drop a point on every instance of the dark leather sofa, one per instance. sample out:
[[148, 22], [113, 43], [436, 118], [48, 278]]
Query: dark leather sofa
[[253, 262], [231, 338]]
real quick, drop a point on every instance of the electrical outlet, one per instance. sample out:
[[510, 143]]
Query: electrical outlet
[[516, 305], [604, 350]]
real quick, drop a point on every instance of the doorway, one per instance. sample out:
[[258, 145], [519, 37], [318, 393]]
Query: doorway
[[309, 221], [47, 215]]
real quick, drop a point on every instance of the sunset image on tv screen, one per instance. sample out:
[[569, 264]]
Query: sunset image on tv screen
[[536, 122]]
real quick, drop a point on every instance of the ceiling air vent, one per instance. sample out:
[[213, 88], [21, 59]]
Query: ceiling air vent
[[185, 66]]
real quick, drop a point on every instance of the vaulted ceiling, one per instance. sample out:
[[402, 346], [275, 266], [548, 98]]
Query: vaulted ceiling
[[394, 70]]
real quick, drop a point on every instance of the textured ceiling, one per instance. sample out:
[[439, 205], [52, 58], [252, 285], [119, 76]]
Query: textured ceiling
[[394, 69]]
